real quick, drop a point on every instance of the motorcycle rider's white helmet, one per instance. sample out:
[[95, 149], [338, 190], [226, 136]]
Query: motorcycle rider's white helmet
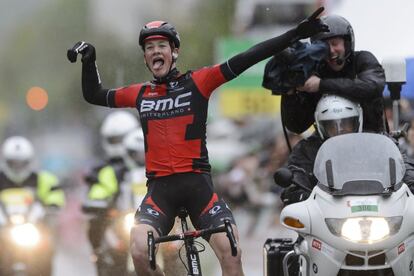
[[115, 126], [336, 115], [17, 158], [135, 149]]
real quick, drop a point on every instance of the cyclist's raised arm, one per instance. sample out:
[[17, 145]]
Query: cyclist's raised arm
[[91, 82], [239, 63], [91, 85]]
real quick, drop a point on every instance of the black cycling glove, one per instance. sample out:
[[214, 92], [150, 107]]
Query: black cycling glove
[[85, 49], [311, 25]]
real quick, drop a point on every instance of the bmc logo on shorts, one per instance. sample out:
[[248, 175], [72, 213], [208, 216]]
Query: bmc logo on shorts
[[165, 104], [152, 212], [213, 211]]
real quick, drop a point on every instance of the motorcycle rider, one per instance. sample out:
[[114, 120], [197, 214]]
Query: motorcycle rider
[[356, 75], [18, 170], [173, 111], [134, 156], [104, 178], [334, 115]]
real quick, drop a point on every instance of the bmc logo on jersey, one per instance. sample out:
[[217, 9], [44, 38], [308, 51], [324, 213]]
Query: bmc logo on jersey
[[166, 103]]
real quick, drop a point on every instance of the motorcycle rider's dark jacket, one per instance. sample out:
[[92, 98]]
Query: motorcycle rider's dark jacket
[[361, 80], [6, 183], [302, 159]]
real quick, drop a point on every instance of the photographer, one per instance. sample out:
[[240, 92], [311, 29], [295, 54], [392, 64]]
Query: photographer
[[345, 72]]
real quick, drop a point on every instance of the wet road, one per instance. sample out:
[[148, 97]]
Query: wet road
[[73, 252]]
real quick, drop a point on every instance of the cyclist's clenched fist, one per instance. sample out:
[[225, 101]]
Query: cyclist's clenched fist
[[85, 49]]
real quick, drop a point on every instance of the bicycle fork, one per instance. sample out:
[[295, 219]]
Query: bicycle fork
[[193, 258]]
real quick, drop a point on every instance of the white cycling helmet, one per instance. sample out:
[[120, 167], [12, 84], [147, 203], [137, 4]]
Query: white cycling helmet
[[336, 115], [135, 149], [115, 126], [17, 158]]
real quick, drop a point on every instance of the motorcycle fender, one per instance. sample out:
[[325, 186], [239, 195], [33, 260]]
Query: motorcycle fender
[[298, 211]]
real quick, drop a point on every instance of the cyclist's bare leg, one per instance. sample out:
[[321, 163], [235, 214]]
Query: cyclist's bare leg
[[230, 266], [139, 250]]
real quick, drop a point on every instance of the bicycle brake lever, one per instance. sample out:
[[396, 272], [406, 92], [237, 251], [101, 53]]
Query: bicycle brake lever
[[151, 249], [230, 236]]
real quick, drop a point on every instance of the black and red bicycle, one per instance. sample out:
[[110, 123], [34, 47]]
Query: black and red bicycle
[[190, 244]]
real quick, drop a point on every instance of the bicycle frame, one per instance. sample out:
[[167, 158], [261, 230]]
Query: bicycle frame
[[193, 258]]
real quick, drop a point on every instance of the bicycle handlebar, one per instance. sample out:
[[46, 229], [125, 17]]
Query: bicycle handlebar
[[227, 228], [230, 236], [151, 249]]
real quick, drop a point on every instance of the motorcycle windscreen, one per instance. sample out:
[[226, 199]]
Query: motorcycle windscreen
[[359, 163]]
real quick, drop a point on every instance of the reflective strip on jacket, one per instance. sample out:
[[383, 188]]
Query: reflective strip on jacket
[[45, 181], [107, 185]]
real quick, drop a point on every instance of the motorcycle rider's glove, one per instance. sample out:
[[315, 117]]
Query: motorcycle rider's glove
[[87, 51], [311, 26], [293, 194]]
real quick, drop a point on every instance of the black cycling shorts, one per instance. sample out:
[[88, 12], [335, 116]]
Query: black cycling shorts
[[193, 191]]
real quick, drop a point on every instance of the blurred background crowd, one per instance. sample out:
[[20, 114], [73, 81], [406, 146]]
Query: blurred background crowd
[[245, 139]]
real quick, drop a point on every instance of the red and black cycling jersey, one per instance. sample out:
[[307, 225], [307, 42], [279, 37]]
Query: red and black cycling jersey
[[173, 113], [173, 117]]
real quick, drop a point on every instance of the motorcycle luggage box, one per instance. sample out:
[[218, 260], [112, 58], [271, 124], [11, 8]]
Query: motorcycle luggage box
[[274, 250]]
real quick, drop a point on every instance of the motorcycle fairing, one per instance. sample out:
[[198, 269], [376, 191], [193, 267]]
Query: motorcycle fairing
[[359, 164]]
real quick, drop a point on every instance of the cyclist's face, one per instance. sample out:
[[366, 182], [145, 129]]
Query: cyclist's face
[[158, 56]]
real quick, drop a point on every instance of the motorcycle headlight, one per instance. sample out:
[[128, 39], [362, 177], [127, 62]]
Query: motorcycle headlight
[[25, 234], [129, 221], [364, 229]]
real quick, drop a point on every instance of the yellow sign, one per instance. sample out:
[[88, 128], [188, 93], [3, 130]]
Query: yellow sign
[[239, 102]]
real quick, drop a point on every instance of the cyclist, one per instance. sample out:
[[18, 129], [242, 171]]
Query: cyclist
[[356, 75], [173, 113]]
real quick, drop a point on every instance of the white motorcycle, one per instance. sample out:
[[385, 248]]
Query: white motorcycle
[[25, 238], [358, 220]]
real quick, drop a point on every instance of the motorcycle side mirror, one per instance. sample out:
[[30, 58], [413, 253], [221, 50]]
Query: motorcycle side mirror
[[283, 177], [395, 70], [395, 77]]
